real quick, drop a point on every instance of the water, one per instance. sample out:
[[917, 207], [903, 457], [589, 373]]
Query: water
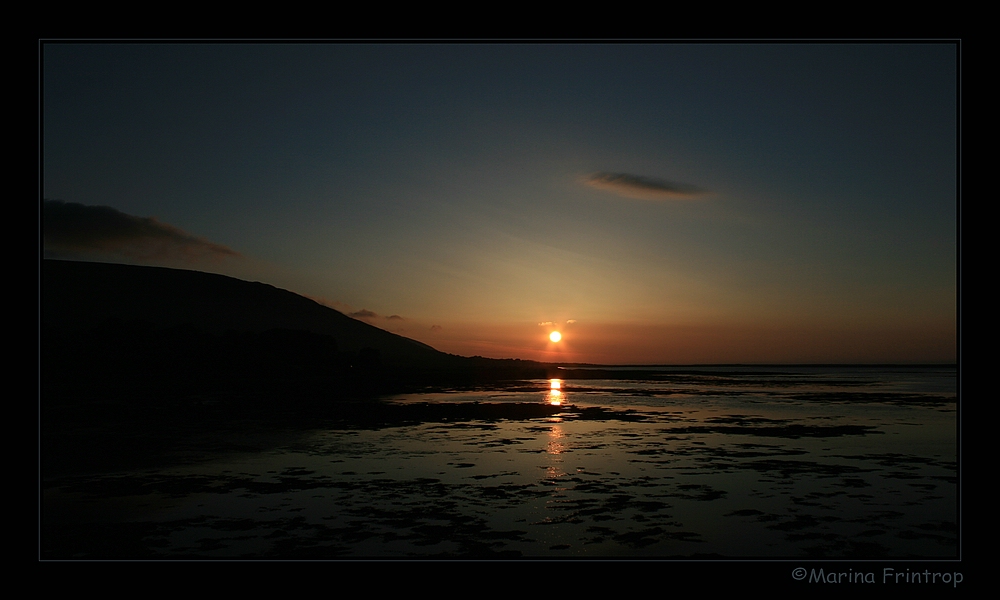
[[736, 462]]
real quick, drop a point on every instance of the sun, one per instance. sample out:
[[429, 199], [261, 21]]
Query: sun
[[555, 336]]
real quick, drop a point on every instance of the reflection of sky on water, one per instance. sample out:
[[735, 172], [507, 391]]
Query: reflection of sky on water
[[751, 475]]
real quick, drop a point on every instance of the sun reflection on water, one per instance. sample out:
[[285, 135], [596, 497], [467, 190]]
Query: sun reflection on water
[[555, 396], [555, 447]]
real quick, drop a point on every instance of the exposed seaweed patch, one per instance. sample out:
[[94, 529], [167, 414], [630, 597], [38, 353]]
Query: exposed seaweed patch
[[853, 482], [837, 546], [794, 431], [873, 397], [697, 491], [500, 483], [796, 523], [905, 461], [871, 533], [790, 468], [639, 539], [746, 420], [759, 451]]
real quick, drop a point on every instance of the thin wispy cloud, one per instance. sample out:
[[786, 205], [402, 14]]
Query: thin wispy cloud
[[394, 318], [643, 188], [77, 230], [363, 314], [334, 304]]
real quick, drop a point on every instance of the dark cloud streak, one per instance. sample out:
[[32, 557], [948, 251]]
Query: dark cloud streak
[[71, 229], [645, 188]]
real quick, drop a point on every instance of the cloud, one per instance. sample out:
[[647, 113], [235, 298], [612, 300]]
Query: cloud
[[71, 229], [363, 314], [436, 328], [544, 323], [334, 304], [643, 188], [394, 318]]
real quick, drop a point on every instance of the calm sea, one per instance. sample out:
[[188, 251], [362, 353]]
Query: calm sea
[[742, 462]]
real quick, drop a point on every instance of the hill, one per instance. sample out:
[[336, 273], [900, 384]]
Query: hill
[[81, 296], [137, 363]]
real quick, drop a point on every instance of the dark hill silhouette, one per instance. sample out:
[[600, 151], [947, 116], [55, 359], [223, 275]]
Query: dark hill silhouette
[[80, 296], [137, 362]]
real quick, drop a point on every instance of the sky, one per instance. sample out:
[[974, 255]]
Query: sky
[[667, 203]]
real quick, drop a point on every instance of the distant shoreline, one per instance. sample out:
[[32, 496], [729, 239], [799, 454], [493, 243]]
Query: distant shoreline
[[756, 365]]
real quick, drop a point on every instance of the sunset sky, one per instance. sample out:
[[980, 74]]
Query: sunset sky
[[655, 203]]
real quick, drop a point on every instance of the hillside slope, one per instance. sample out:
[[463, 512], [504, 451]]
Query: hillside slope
[[80, 296]]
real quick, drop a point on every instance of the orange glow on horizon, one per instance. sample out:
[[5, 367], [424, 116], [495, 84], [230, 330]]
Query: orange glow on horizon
[[701, 343]]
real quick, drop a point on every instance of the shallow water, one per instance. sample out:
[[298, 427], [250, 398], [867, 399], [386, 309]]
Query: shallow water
[[734, 462]]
